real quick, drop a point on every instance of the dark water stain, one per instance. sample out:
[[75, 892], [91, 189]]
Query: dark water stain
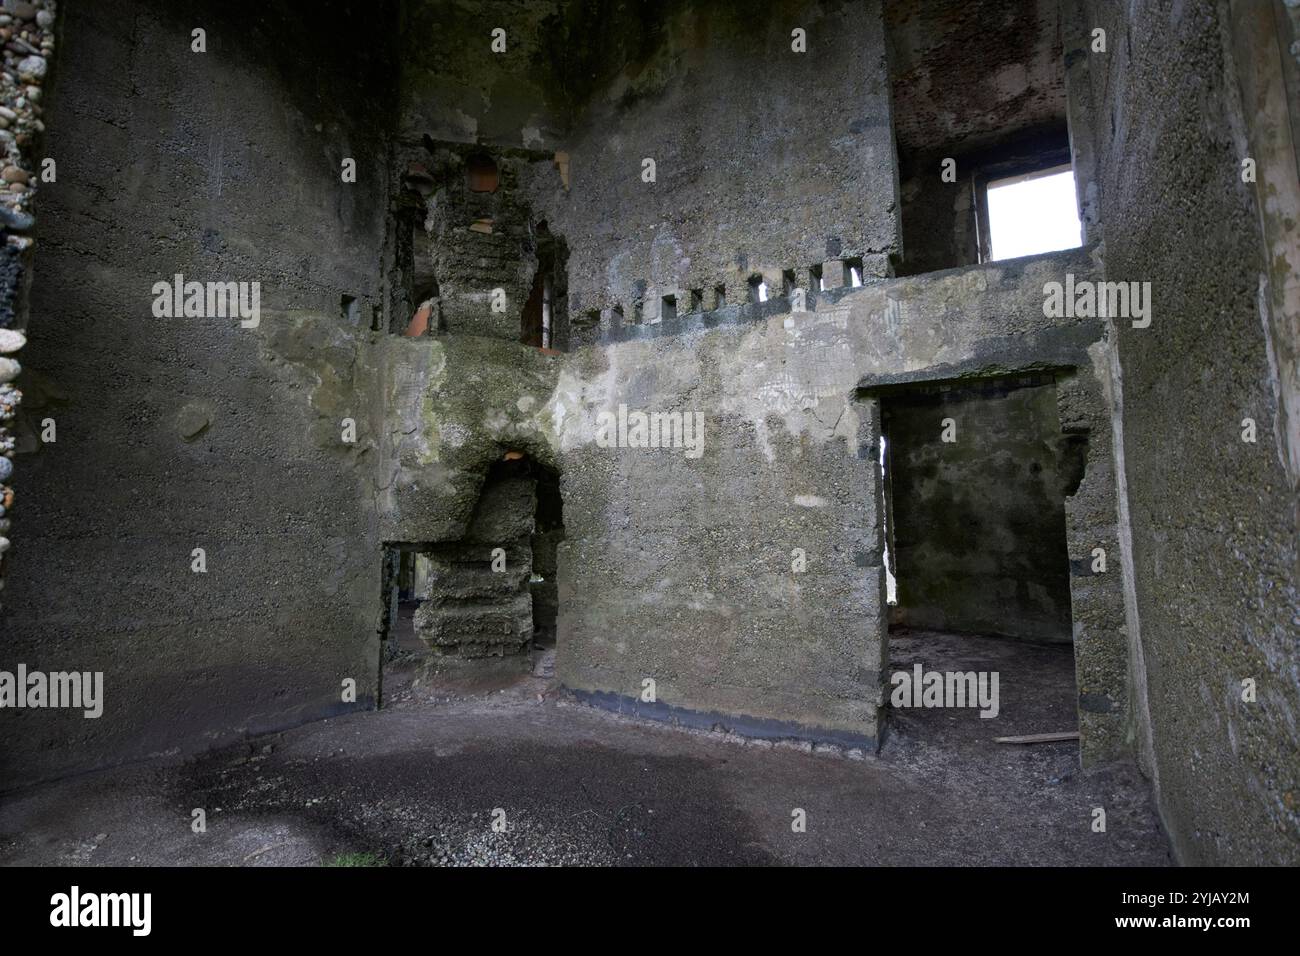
[[606, 804]]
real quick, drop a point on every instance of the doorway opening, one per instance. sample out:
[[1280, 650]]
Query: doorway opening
[[975, 476], [404, 586]]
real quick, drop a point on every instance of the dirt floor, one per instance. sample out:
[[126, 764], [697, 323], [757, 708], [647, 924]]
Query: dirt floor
[[419, 783]]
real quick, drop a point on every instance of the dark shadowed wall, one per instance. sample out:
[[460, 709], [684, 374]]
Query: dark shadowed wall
[[184, 433]]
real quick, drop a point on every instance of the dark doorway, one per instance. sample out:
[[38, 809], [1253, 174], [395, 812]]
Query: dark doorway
[[544, 320], [975, 478], [404, 585]]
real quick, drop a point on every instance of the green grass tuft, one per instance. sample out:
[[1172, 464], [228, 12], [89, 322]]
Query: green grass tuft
[[354, 859]]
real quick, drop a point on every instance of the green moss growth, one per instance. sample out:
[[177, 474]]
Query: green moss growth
[[354, 859]]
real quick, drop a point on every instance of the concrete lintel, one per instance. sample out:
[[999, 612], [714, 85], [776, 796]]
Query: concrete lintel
[[1050, 352]]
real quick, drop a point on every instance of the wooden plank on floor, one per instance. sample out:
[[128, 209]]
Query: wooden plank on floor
[[1038, 738]]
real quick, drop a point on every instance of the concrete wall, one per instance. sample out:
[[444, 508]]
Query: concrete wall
[[978, 523], [1212, 517], [765, 159], [701, 595], [455, 87], [452, 406], [183, 433]]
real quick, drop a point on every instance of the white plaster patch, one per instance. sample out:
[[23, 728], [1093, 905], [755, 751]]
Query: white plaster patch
[[453, 435], [575, 416], [810, 501], [1012, 80], [802, 376]]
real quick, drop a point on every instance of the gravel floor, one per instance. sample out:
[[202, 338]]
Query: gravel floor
[[512, 772]]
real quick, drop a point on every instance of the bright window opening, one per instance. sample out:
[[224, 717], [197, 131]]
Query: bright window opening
[[1033, 213]]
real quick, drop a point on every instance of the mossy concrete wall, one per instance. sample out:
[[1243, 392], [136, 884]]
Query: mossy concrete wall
[[452, 406], [452, 409], [683, 570], [1213, 518]]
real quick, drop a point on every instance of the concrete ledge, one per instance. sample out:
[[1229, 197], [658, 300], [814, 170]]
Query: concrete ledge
[[759, 727], [1010, 272]]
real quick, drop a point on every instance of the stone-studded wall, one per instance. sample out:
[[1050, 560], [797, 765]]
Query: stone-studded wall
[[1212, 517], [181, 433], [27, 33], [701, 595]]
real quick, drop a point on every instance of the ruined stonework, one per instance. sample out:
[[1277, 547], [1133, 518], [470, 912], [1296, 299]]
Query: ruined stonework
[[465, 238], [479, 603], [670, 350]]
